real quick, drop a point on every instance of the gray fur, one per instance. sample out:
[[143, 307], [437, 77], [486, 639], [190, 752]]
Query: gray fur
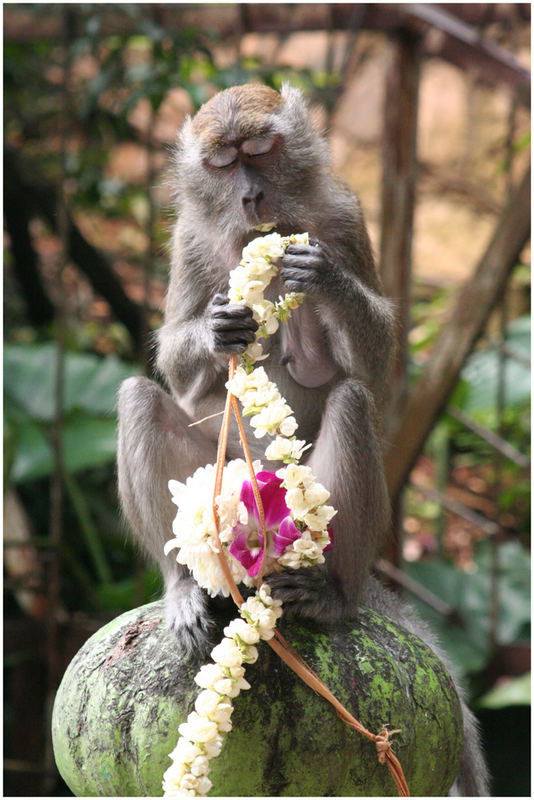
[[330, 362]]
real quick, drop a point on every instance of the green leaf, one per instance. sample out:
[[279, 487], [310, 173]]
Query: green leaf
[[468, 593], [482, 369], [91, 383], [125, 594], [87, 442], [515, 692]]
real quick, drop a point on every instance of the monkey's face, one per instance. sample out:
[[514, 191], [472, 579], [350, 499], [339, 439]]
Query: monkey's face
[[246, 171], [250, 158]]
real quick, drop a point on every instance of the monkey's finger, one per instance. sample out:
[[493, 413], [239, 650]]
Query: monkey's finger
[[220, 300], [233, 347], [303, 249], [311, 262], [231, 324], [299, 275], [234, 336], [229, 310]]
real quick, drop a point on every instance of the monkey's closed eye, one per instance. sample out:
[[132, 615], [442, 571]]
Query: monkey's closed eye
[[223, 158], [258, 147]]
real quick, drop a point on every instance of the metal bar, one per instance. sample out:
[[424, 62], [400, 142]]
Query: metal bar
[[468, 47], [456, 43], [399, 175], [32, 541], [17, 765], [513, 353], [459, 508], [458, 337], [492, 438], [398, 576]]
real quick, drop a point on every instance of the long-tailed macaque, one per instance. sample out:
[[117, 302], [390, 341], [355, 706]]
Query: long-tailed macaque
[[247, 160]]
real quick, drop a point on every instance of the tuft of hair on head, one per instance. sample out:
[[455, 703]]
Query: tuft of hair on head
[[235, 114]]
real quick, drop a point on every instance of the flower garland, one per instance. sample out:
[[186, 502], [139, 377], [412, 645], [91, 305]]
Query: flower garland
[[275, 521], [293, 532]]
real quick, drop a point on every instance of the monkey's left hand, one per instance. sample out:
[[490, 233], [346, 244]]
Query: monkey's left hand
[[309, 592], [307, 267]]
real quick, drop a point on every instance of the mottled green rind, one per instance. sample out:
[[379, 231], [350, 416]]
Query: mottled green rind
[[114, 724]]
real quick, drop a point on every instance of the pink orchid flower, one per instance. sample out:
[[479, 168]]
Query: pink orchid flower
[[279, 525]]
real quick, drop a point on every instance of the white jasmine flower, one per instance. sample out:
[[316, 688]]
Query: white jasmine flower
[[238, 627], [305, 546], [318, 520], [221, 715], [204, 785], [206, 702], [296, 501], [214, 746], [288, 426], [250, 655], [185, 751], [231, 687], [290, 559], [299, 238], [188, 781], [280, 449], [316, 494], [271, 246], [227, 654], [174, 774], [296, 476], [197, 728], [270, 418], [285, 449], [264, 315], [254, 352], [208, 675], [200, 766], [236, 672]]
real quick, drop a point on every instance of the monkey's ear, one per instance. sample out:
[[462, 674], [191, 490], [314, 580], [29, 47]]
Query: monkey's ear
[[294, 117], [187, 145], [294, 101]]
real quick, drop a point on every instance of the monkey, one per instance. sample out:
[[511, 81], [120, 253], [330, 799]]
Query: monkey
[[248, 161], [250, 158]]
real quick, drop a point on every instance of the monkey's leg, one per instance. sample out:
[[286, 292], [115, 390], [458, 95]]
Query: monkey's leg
[[154, 446], [346, 458]]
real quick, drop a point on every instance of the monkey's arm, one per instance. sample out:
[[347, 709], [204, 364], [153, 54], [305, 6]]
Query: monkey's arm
[[198, 335], [356, 320]]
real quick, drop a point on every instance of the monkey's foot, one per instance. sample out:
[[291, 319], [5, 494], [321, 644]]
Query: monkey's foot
[[309, 593], [187, 617]]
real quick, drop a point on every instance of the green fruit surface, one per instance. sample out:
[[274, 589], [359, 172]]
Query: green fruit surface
[[125, 693]]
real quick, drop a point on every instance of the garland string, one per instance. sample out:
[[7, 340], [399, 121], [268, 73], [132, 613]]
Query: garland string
[[278, 643]]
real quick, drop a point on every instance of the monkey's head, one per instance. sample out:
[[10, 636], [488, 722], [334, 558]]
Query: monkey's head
[[250, 157]]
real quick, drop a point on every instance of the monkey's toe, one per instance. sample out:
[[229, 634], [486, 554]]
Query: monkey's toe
[[308, 593], [194, 640]]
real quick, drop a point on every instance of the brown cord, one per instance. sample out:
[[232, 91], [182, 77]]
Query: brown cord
[[278, 643]]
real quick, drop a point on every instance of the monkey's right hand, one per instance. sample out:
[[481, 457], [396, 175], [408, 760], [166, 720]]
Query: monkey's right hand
[[233, 326]]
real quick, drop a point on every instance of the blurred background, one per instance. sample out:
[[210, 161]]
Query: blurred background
[[426, 108]]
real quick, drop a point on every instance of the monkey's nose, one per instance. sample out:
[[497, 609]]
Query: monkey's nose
[[252, 200]]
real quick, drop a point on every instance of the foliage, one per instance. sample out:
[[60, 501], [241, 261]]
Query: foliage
[[515, 692], [467, 640], [477, 391], [89, 426], [466, 637]]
